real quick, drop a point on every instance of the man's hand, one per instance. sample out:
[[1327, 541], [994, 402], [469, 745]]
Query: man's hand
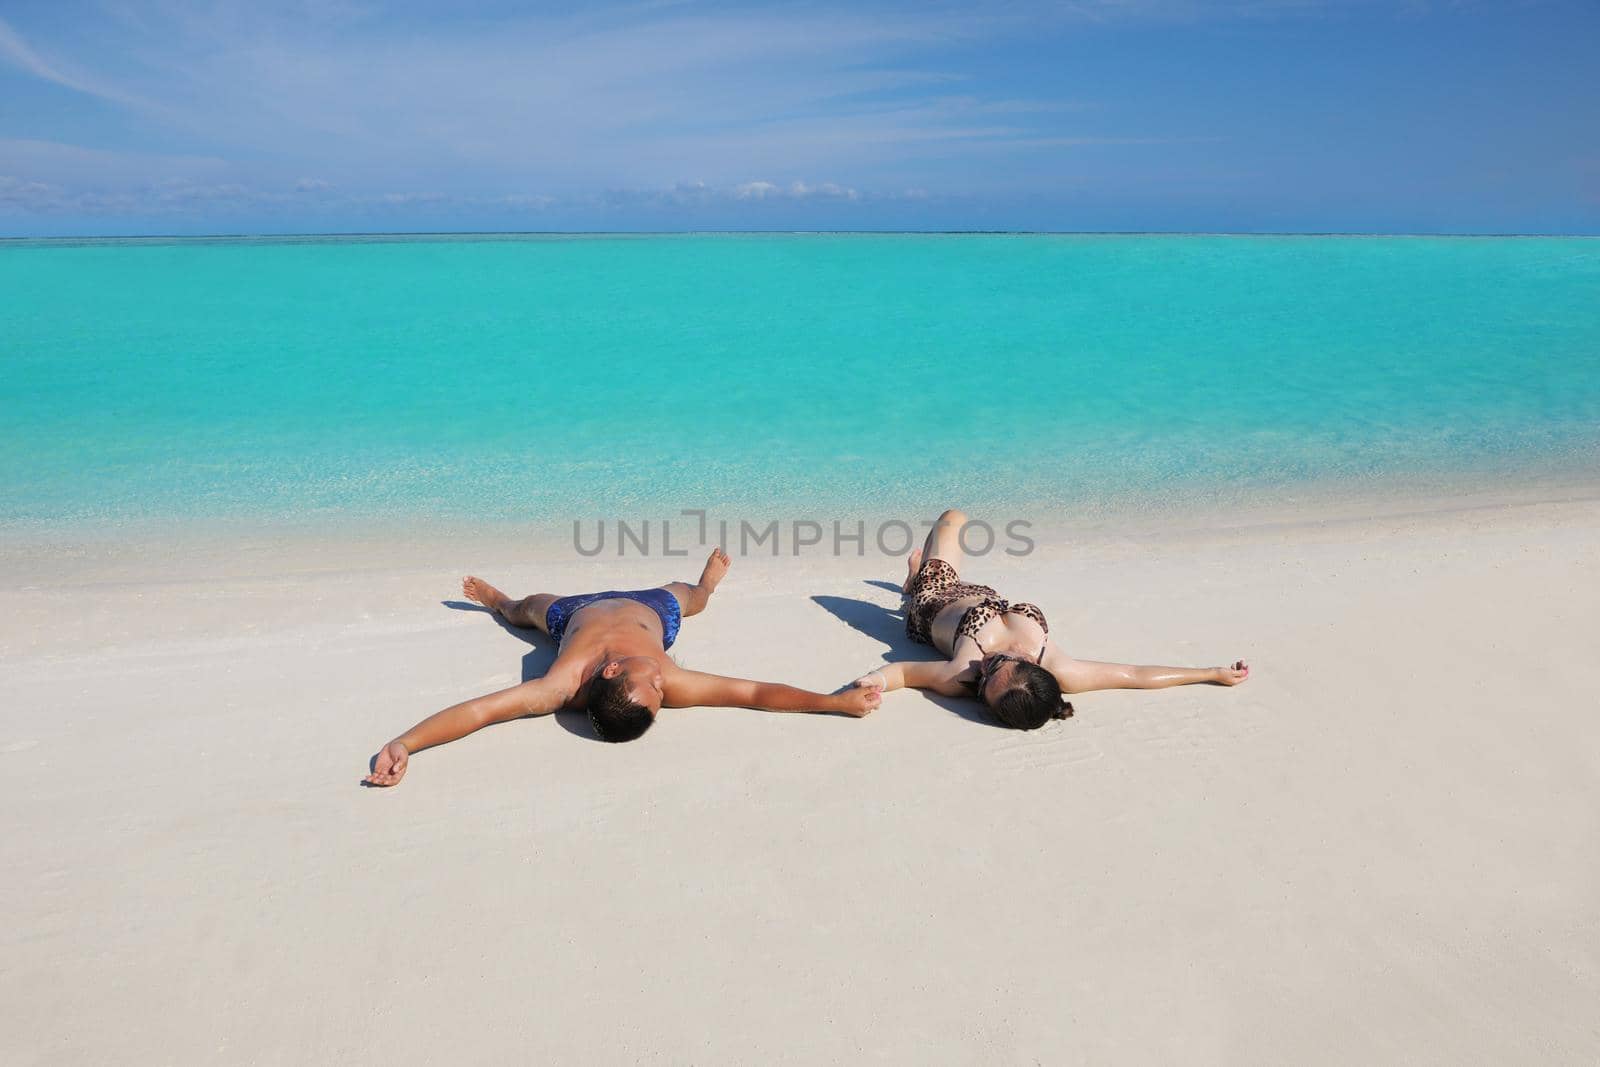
[[859, 701], [390, 765], [871, 680]]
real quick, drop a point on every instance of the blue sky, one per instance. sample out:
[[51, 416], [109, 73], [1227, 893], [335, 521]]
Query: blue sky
[[122, 117]]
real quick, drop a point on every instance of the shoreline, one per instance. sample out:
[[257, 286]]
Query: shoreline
[[126, 551], [376, 236]]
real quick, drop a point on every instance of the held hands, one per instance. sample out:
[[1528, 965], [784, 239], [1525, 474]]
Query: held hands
[[871, 680], [863, 694], [389, 766], [858, 702]]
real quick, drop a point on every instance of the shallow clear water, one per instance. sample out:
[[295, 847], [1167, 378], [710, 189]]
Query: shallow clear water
[[555, 377]]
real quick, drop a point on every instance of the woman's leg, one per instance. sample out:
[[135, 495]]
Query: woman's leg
[[529, 611], [944, 542]]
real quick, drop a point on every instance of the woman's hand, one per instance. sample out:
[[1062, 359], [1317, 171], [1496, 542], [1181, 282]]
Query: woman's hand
[[389, 766], [1239, 672]]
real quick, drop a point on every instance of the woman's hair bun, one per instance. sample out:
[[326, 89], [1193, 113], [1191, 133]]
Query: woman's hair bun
[[1064, 711]]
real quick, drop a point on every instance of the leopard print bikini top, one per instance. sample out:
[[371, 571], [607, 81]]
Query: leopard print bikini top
[[981, 613], [937, 586]]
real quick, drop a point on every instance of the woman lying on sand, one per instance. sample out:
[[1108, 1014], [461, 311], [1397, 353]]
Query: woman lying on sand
[[1001, 652], [613, 662]]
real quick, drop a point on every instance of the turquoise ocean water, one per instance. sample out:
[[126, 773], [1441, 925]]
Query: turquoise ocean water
[[564, 377]]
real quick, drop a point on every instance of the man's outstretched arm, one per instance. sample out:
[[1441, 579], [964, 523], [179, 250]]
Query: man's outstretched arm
[[689, 689], [538, 697]]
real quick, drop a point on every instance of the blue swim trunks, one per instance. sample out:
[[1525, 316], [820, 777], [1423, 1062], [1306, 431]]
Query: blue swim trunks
[[660, 601]]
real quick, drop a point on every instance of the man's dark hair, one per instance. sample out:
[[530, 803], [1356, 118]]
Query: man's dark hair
[[1033, 699], [615, 717]]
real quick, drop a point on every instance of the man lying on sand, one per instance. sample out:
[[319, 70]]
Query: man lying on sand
[[1001, 652], [613, 662]]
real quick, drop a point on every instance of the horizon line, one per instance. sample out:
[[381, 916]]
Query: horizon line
[[13, 239]]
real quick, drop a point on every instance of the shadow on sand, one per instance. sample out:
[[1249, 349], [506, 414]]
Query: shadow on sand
[[535, 662], [887, 626]]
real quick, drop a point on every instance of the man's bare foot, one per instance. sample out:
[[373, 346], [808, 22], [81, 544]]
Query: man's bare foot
[[484, 593], [913, 565], [1239, 672], [717, 565]]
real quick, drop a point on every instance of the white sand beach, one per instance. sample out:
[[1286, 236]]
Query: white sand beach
[[1380, 849]]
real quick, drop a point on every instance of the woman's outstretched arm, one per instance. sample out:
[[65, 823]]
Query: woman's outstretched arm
[[941, 676], [1083, 676], [538, 697]]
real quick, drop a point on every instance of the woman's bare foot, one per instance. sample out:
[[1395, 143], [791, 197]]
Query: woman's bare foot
[[913, 565], [1239, 672], [484, 593], [716, 569]]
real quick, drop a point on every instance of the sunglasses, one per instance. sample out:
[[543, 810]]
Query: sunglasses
[[993, 663]]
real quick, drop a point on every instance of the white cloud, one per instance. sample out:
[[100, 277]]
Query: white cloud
[[62, 162], [343, 104], [799, 190], [177, 197], [26, 195], [582, 101], [796, 190], [16, 52]]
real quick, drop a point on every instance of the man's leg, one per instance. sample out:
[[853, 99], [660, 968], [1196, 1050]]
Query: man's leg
[[529, 611], [692, 598]]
